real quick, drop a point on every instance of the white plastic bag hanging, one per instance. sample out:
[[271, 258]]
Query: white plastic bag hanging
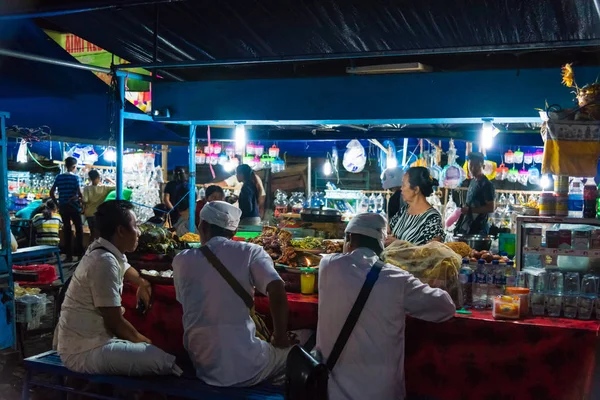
[[354, 157]]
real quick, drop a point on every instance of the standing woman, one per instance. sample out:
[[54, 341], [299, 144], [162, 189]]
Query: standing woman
[[249, 194], [417, 221], [174, 191]]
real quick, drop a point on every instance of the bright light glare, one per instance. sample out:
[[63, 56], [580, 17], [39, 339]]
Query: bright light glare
[[110, 155], [391, 162], [327, 168], [230, 165], [488, 132], [545, 182], [240, 139]]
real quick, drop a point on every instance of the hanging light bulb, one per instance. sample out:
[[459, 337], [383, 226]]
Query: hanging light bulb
[[488, 132], [327, 168], [240, 139], [110, 155]]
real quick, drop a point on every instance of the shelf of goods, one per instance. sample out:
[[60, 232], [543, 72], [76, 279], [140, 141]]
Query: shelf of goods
[[566, 244]]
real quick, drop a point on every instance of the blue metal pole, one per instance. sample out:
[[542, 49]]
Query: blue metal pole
[[120, 137], [5, 217], [192, 177]]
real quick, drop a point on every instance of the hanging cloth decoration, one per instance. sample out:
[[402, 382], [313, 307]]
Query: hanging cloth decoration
[[354, 157], [572, 148], [22, 152]]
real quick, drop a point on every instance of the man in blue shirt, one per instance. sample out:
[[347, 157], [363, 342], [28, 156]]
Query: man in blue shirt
[[69, 206]]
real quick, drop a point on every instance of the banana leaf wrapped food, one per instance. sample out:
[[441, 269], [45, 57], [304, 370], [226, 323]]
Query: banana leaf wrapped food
[[155, 240], [433, 263]]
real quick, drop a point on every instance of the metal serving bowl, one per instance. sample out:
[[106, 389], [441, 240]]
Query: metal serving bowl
[[476, 242]]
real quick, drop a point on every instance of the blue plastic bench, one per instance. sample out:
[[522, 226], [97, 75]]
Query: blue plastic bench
[[50, 363]]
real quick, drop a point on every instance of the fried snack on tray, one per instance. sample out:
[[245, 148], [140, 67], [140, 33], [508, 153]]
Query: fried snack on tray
[[277, 243], [190, 237], [460, 248], [332, 246]]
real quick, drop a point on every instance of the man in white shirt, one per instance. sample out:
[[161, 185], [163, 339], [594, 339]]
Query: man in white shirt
[[93, 337], [371, 365], [220, 335]]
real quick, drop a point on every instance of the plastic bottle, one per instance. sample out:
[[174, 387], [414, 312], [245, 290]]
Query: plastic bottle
[[379, 203], [480, 286], [510, 274], [576, 198], [465, 278], [498, 281], [490, 273], [590, 194], [363, 205], [201, 193], [372, 202]]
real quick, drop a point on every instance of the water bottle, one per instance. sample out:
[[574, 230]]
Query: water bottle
[[363, 205], [499, 279], [465, 278], [590, 194], [510, 274], [372, 202], [201, 193], [379, 203], [576, 198], [492, 291], [480, 286]]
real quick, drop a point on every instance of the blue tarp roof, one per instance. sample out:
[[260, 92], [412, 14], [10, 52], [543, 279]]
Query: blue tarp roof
[[72, 102]]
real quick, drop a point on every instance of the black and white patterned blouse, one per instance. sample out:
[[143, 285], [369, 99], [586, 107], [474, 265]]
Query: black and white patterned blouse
[[417, 229]]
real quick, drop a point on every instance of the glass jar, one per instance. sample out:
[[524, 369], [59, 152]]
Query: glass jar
[[307, 280], [297, 202]]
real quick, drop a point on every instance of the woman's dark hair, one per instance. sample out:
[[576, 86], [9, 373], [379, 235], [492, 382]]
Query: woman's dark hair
[[49, 208], [213, 189], [93, 175], [112, 214], [160, 210], [249, 177], [179, 175], [420, 177]]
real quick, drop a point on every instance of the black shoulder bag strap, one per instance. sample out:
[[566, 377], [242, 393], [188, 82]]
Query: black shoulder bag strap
[[224, 272], [352, 319]]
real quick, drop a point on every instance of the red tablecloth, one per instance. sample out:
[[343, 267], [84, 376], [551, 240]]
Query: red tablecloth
[[468, 357]]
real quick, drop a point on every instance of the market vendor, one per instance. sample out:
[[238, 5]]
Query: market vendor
[[479, 202], [371, 365], [220, 335], [92, 335], [417, 222], [392, 180], [174, 191], [249, 195], [233, 182]]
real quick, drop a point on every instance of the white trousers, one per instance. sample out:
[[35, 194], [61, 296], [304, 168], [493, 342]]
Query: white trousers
[[274, 370], [122, 357]]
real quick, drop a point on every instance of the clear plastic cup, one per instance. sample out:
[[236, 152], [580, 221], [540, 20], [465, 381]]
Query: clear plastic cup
[[587, 299], [538, 295], [572, 286], [554, 296]]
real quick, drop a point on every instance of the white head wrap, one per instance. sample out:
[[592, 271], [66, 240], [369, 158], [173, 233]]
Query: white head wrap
[[369, 224], [392, 177], [221, 214]]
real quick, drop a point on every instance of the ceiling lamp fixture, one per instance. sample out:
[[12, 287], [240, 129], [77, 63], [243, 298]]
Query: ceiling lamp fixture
[[488, 133], [389, 69], [240, 139]]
